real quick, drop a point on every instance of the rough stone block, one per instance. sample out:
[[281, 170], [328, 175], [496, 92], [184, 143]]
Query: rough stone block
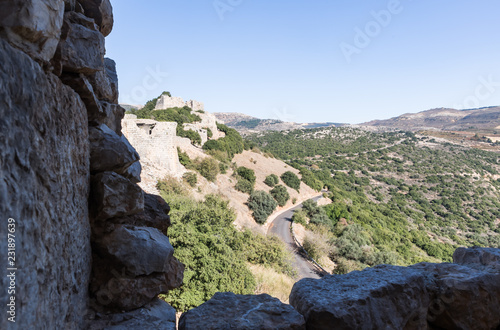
[[110, 152], [112, 196], [33, 26], [230, 311], [101, 11]]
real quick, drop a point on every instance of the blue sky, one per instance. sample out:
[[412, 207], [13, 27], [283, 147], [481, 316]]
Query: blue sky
[[310, 61]]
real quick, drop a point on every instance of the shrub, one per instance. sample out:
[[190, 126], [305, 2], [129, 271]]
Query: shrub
[[171, 185], [190, 134], [280, 194], [184, 158], [299, 216], [345, 266], [210, 134], [244, 186], [246, 173], [272, 180], [208, 168], [291, 180], [223, 168], [262, 204], [232, 143], [191, 178]]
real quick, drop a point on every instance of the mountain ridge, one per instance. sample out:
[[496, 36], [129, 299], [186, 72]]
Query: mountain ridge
[[444, 119]]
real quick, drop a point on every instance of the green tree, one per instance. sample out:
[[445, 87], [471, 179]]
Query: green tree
[[291, 180], [280, 194], [191, 178], [299, 216], [272, 180], [209, 168], [244, 186], [246, 173], [262, 204]]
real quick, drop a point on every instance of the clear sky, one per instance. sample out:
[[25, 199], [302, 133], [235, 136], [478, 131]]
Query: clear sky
[[310, 61]]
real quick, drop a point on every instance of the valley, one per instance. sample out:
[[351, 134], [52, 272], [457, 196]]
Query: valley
[[392, 196]]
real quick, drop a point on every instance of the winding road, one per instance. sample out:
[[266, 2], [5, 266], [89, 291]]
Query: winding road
[[281, 228]]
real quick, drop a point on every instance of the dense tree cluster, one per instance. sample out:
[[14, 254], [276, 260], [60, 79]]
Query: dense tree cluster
[[214, 252], [291, 180], [232, 143]]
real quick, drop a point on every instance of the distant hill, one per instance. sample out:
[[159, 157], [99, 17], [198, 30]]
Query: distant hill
[[247, 124], [444, 119]]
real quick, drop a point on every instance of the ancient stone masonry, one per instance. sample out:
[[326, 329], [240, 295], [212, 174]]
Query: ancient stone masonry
[[153, 140], [166, 102], [61, 141]]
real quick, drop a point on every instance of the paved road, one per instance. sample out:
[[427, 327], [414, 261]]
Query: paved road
[[281, 227]]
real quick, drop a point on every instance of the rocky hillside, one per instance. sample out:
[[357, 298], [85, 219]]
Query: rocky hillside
[[158, 144], [444, 119], [247, 124]]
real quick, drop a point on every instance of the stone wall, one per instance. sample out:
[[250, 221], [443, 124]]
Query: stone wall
[[153, 141], [165, 102], [44, 186], [195, 105], [69, 179]]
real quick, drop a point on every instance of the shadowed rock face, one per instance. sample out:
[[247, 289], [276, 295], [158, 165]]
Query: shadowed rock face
[[230, 311], [59, 124], [155, 315], [435, 296], [44, 186]]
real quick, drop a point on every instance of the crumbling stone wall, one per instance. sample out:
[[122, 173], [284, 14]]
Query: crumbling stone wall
[[61, 142], [154, 141]]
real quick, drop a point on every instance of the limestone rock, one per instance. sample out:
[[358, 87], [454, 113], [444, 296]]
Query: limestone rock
[[112, 196], [155, 215], [174, 276], [436, 296], [155, 315], [110, 67], [128, 293], [110, 152], [34, 26], [383, 297], [115, 288], [44, 186], [111, 114], [101, 11], [142, 250], [477, 257], [230, 311], [105, 82], [81, 48], [133, 172], [461, 297], [80, 84]]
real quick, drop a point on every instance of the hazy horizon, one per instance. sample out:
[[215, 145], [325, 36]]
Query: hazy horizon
[[346, 62]]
